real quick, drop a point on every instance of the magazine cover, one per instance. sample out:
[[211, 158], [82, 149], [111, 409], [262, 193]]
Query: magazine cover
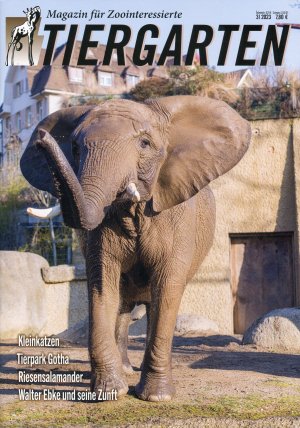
[[149, 213]]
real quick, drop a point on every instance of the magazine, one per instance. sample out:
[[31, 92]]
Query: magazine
[[149, 230]]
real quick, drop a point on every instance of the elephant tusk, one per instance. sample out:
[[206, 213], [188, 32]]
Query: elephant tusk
[[132, 192], [46, 213]]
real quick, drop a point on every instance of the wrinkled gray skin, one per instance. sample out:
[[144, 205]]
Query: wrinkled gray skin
[[171, 148]]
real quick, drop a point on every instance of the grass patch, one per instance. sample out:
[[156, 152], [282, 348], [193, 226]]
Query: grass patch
[[278, 383], [131, 410], [253, 407]]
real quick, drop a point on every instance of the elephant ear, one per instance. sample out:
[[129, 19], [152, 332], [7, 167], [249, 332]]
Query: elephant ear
[[206, 139], [60, 125]]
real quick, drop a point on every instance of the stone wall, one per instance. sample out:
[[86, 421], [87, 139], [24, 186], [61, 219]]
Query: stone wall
[[66, 297], [23, 298]]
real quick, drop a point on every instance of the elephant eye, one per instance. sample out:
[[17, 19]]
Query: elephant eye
[[144, 143]]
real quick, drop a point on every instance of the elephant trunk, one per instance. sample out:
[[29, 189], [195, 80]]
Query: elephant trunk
[[79, 212]]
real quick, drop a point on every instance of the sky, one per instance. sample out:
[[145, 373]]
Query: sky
[[210, 12]]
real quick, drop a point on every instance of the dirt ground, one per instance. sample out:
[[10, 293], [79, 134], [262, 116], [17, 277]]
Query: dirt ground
[[219, 383]]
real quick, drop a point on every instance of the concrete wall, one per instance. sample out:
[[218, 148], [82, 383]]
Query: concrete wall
[[258, 195], [67, 304], [23, 294]]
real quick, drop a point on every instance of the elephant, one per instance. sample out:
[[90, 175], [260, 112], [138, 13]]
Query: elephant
[[133, 178]]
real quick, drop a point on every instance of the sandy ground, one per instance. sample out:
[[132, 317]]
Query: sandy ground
[[219, 383]]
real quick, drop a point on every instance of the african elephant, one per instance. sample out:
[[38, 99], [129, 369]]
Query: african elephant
[[135, 176]]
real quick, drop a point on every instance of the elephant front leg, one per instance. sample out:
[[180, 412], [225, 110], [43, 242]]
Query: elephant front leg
[[156, 382], [106, 363]]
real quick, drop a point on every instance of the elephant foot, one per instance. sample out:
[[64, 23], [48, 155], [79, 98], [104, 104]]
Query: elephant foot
[[155, 389], [109, 383]]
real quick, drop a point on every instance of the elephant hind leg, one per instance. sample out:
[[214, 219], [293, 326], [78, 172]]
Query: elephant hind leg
[[122, 327], [148, 315]]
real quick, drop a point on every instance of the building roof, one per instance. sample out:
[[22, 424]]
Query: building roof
[[55, 77]]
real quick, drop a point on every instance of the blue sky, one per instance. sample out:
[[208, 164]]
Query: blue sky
[[211, 12]]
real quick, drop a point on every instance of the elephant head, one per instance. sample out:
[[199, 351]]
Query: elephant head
[[163, 151]]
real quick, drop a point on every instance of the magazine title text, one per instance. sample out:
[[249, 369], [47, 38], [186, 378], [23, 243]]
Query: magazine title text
[[145, 46]]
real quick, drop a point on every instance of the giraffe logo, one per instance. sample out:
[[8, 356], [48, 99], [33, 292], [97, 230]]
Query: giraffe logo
[[27, 29]]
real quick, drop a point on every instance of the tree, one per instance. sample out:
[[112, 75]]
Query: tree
[[186, 81], [153, 87]]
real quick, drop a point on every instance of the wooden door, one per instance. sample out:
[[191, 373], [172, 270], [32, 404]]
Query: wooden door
[[261, 276]]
